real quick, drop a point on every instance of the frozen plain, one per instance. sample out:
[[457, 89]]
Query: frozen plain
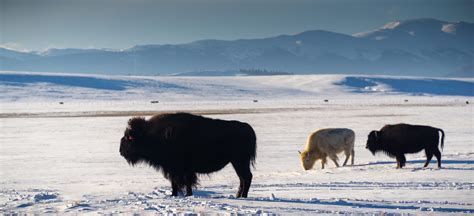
[[63, 158]]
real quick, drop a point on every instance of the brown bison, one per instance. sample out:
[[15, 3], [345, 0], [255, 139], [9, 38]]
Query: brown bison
[[183, 145], [397, 140]]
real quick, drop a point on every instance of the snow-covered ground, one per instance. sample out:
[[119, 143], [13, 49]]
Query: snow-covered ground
[[59, 140]]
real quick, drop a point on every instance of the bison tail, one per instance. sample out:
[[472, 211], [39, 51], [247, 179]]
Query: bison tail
[[442, 138], [253, 152], [252, 146]]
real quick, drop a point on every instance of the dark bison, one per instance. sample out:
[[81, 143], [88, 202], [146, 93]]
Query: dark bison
[[183, 145], [397, 140]]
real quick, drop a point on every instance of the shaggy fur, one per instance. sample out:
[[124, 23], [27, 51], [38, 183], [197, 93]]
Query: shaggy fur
[[183, 145], [328, 142], [397, 140]]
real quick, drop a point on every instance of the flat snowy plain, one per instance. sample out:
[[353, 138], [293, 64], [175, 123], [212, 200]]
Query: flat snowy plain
[[59, 141]]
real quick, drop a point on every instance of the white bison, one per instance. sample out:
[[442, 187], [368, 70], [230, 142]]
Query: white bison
[[328, 142]]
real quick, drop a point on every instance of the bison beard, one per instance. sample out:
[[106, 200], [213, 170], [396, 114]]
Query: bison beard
[[397, 140], [183, 145]]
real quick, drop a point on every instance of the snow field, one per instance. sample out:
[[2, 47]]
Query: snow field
[[63, 158]]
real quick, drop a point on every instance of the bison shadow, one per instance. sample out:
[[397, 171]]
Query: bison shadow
[[207, 194], [444, 162], [355, 204]]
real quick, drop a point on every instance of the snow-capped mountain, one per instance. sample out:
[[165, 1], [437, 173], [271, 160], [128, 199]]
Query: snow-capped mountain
[[424, 33], [423, 47]]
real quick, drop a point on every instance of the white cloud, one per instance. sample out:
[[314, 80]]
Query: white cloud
[[449, 28], [391, 25], [14, 46]]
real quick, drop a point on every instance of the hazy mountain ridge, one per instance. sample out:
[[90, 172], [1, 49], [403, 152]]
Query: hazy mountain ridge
[[421, 47]]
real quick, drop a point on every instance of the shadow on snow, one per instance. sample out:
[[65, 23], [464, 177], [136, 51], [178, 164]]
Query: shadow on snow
[[367, 205], [411, 86], [80, 81], [433, 161]]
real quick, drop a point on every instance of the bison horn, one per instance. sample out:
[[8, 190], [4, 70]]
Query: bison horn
[[299, 152]]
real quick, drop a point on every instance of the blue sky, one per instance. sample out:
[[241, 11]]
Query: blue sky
[[118, 24]]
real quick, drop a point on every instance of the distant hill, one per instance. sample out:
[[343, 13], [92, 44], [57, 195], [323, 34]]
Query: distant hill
[[420, 47], [241, 72], [20, 86]]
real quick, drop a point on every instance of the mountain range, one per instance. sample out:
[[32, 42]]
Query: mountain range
[[418, 47]]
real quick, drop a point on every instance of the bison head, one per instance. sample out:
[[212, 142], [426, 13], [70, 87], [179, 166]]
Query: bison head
[[307, 160], [132, 144], [372, 142]]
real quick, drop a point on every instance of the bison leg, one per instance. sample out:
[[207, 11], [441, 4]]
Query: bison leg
[[243, 171], [334, 159], [335, 162], [401, 161], [352, 156], [345, 161], [429, 155], [348, 154], [323, 162], [190, 180], [175, 188], [438, 156], [189, 190]]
